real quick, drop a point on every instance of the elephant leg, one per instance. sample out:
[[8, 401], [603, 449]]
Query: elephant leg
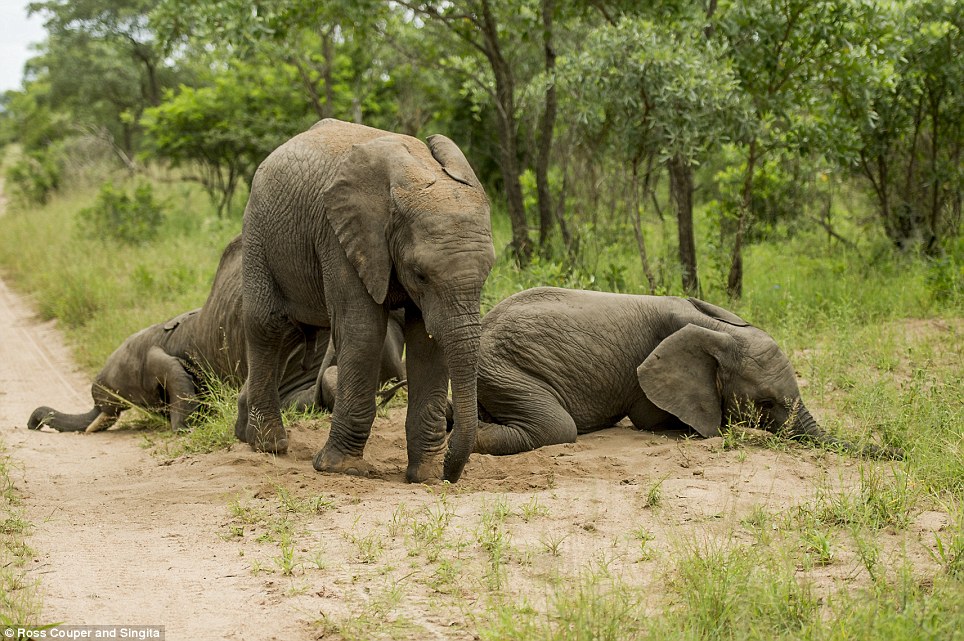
[[427, 401], [328, 361], [241, 423], [393, 367], [646, 416], [358, 343], [268, 349], [178, 385], [300, 372], [525, 415]]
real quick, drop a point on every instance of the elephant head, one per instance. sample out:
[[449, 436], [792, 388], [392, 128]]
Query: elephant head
[[425, 223], [137, 373], [708, 377]]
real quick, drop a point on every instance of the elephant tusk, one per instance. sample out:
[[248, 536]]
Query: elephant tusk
[[101, 423]]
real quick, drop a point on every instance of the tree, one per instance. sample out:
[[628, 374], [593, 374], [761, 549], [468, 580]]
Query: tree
[[226, 128], [331, 45], [901, 94], [656, 96], [103, 65], [781, 51], [495, 33]]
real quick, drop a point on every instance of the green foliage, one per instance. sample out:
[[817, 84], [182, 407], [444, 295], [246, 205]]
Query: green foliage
[[945, 276], [34, 177], [118, 215], [226, 129], [653, 91], [901, 94], [99, 68], [788, 192]]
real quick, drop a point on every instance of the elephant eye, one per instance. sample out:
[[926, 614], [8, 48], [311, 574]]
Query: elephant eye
[[419, 275], [766, 404]]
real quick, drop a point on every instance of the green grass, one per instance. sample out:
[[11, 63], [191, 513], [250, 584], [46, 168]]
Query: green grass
[[19, 596], [102, 291], [724, 593]]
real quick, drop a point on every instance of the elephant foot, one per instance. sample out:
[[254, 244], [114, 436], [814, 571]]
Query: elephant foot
[[429, 472], [328, 459], [241, 428], [270, 439]]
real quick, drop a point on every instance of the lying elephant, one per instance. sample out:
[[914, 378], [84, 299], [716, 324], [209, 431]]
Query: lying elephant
[[163, 367], [555, 363]]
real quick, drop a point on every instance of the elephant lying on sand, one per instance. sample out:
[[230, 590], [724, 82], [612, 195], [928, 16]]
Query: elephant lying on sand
[[555, 363], [162, 367]]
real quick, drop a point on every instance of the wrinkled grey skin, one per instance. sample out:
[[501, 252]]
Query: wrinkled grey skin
[[392, 364], [555, 363], [160, 368], [345, 223]]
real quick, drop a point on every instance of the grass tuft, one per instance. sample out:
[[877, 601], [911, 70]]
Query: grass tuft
[[19, 594]]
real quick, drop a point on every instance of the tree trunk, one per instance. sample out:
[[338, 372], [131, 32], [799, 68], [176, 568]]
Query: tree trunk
[[508, 130], [328, 74], [546, 127], [638, 230], [734, 281], [309, 85], [681, 190]]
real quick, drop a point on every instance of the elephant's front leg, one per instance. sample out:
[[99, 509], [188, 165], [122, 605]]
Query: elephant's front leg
[[427, 399], [358, 342]]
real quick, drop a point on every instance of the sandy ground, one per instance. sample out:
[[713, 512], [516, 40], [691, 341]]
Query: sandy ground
[[197, 544], [120, 539]]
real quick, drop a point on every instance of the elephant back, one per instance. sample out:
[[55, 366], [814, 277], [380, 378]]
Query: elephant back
[[217, 341]]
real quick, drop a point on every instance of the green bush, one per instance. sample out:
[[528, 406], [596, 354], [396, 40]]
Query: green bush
[[122, 217], [34, 177]]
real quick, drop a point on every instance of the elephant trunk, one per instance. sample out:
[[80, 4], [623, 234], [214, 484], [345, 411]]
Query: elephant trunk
[[60, 421], [806, 427], [461, 345]]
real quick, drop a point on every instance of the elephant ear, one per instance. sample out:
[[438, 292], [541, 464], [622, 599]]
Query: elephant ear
[[681, 376], [718, 313], [359, 205], [452, 160]]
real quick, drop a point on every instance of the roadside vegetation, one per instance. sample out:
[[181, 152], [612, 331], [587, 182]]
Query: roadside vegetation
[[796, 162], [19, 596]]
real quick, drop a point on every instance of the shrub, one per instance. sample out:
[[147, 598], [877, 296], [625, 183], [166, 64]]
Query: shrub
[[34, 177], [122, 217]]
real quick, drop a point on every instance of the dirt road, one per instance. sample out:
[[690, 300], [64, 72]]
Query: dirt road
[[120, 539]]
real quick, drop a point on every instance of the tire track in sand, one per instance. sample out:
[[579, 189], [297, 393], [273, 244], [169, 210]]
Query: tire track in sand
[[118, 538]]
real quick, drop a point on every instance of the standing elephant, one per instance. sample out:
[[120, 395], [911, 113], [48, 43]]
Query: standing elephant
[[555, 363], [163, 367], [345, 223]]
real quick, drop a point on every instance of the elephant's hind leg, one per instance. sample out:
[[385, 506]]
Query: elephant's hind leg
[[268, 350], [523, 418]]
